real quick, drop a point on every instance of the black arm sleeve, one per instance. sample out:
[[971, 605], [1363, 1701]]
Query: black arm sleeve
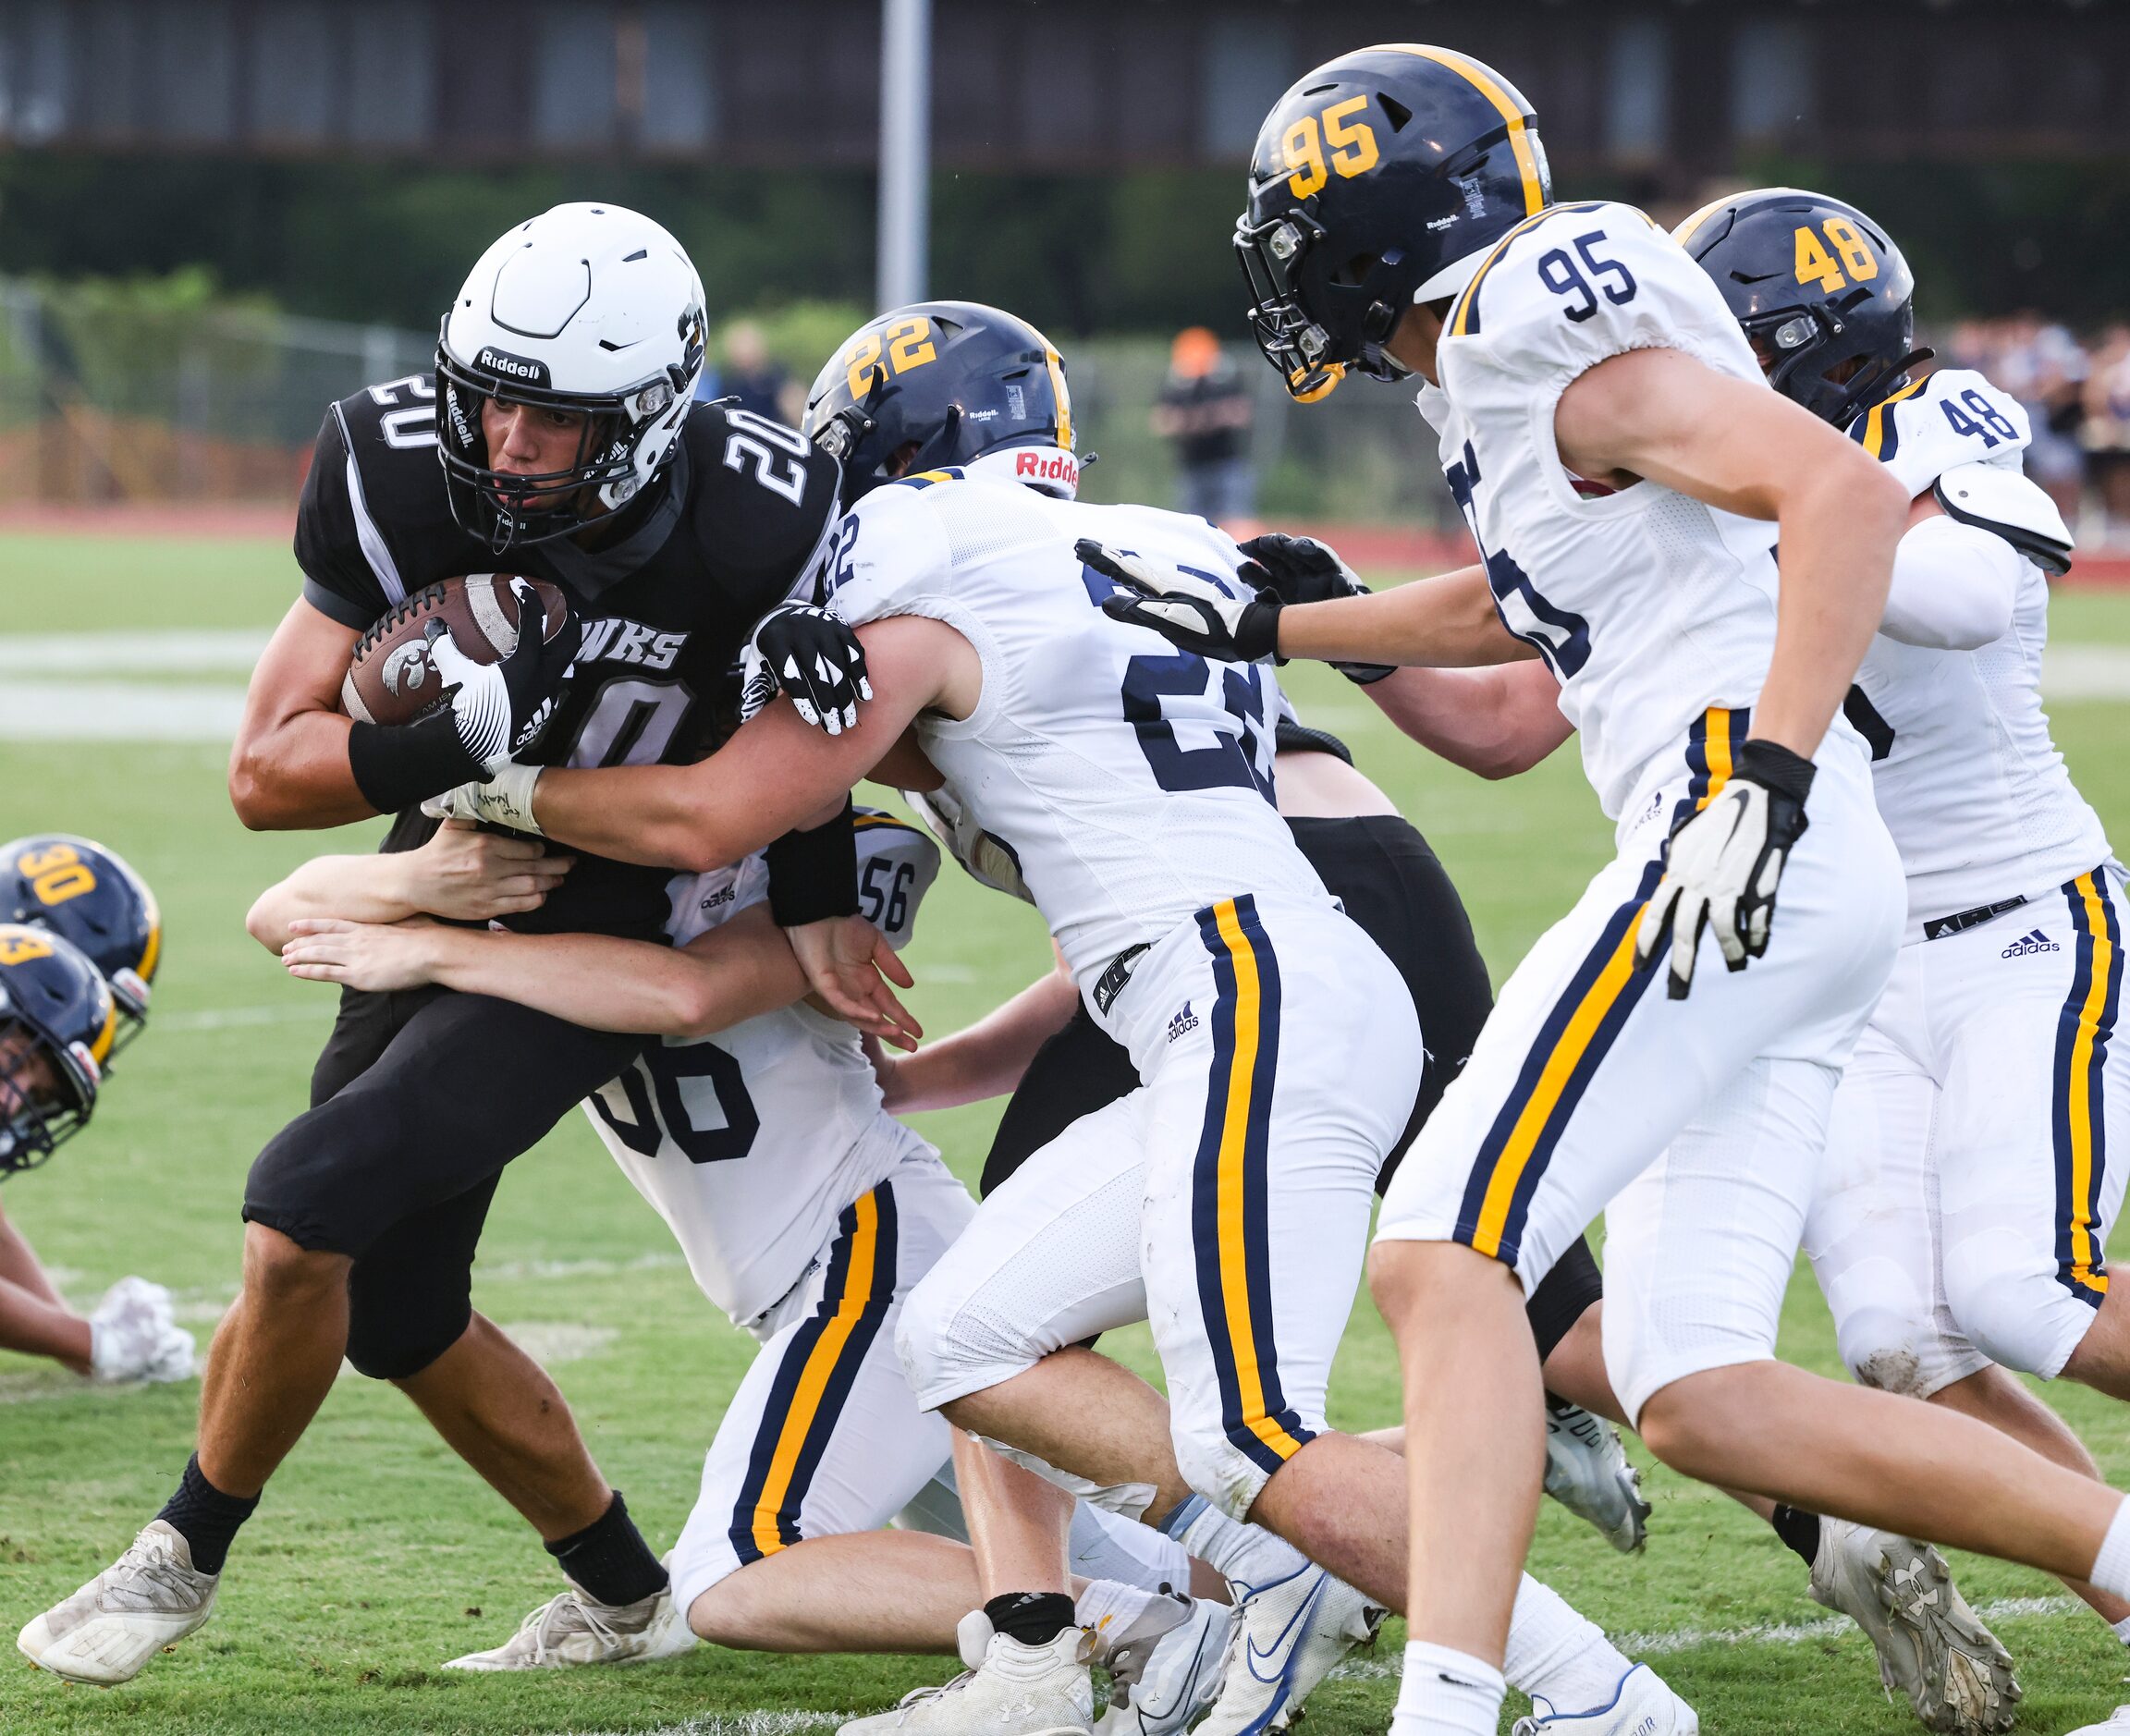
[[336, 577], [815, 874]]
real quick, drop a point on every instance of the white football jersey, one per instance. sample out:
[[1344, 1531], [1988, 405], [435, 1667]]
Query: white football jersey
[[749, 1143], [1648, 605], [1970, 783], [1116, 783]]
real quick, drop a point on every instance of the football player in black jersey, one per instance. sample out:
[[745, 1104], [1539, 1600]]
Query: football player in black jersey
[[572, 449]]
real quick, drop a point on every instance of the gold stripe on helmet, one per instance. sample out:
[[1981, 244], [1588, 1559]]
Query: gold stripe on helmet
[[1519, 134], [1056, 364]]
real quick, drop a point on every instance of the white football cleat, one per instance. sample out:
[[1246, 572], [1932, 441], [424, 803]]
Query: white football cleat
[[133, 1336], [1588, 1472], [1931, 1647], [1165, 1667], [2116, 1724], [1641, 1705], [151, 1596], [1291, 1633], [1018, 1690], [570, 1629]]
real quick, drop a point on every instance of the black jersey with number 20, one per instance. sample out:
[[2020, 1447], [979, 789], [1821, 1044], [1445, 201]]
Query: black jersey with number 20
[[666, 597]]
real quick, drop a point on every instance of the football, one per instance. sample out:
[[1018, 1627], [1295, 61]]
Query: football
[[391, 678]]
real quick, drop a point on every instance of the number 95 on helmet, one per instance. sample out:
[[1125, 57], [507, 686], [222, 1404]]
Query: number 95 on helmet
[[56, 1024], [1380, 180]]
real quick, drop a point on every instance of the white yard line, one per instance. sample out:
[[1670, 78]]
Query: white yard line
[[229, 1018], [116, 711], [192, 650], [1667, 1642]]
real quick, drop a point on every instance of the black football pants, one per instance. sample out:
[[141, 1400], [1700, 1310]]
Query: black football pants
[[418, 1102]]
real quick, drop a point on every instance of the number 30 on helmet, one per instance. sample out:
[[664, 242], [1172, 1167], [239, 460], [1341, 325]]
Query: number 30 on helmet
[[87, 894], [1380, 180]]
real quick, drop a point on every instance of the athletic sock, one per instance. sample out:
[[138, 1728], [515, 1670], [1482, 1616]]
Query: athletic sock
[[2121, 1630], [207, 1518], [1031, 1618], [1108, 1545], [1799, 1529], [1446, 1694], [2112, 1566], [608, 1560], [1108, 1608], [1558, 1655], [1243, 1552]]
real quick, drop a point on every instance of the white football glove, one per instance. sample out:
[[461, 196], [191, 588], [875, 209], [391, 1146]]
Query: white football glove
[[500, 709], [505, 800], [1725, 863], [1190, 612], [811, 654]]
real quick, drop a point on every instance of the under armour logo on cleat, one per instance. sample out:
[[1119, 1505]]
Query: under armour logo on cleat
[[2027, 944], [1183, 1024]]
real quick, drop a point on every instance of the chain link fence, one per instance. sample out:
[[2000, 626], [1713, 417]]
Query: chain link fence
[[117, 394]]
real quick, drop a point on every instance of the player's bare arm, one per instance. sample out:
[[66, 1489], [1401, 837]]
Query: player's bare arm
[[462, 874], [1496, 722], [775, 774], [1661, 414], [987, 1058], [738, 970], [288, 769]]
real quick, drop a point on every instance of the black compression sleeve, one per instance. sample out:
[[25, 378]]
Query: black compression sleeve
[[396, 766], [815, 874]]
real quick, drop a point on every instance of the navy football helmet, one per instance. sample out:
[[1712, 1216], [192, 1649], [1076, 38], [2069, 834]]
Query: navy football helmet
[[56, 1024], [90, 895], [1380, 179], [1822, 293], [945, 383]]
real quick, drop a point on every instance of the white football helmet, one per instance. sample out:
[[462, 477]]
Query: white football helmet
[[585, 308]]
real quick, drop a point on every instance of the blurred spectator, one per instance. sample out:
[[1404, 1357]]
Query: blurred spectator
[[1205, 409], [2041, 365], [2106, 435], [750, 376]]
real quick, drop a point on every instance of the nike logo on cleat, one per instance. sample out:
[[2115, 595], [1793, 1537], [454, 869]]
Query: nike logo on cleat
[[2028, 944]]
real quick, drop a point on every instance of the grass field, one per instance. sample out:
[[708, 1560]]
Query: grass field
[[376, 1555]]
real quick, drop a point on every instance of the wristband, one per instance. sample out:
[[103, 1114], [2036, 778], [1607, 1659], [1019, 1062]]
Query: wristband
[[401, 766], [814, 875], [1773, 766]]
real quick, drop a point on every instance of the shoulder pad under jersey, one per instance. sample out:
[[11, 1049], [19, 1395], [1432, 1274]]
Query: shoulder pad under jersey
[[2002, 501], [889, 549], [1576, 285], [1942, 421], [897, 864]]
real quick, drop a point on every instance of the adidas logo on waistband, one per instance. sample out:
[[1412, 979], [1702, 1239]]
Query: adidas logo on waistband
[[1183, 1021], [2035, 942]]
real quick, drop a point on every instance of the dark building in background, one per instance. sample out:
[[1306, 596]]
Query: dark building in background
[[1666, 93]]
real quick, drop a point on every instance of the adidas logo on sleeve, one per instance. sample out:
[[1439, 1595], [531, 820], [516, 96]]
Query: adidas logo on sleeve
[[1184, 1022], [2030, 942]]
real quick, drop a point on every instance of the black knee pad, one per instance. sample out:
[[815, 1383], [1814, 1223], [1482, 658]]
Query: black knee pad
[[400, 1322], [1563, 1296]]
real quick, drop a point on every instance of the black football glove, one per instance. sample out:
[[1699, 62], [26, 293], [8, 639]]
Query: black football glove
[[1186, 611], [1302, 569], [811, 654], [498, 709], [1725, 863]]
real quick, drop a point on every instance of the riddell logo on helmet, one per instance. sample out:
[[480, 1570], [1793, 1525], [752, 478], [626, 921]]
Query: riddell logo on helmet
[[1048, 467], [514, 367]]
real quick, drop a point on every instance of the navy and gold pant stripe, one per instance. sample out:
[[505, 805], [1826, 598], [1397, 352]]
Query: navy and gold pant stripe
[[1229, 1206], [814, 1383], [2076, 1113], [1578, 1032]]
